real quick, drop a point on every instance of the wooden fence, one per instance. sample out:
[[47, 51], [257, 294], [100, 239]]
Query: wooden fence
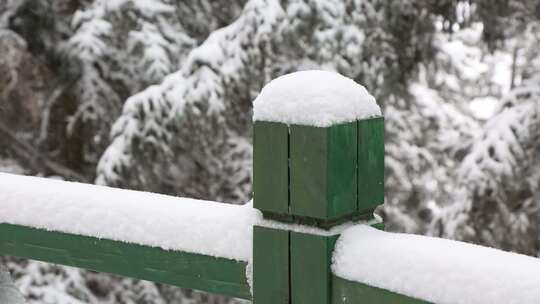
[[184, 269], [312, 178], [320, 177], [307, 176]]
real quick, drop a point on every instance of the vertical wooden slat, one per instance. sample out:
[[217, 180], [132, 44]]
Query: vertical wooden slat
[[311, 257], [270, 266], [323, 170], [370, 163], [342, 179], [308, 164], [270, 167]]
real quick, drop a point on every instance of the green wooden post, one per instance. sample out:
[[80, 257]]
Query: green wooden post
[[316, 176]]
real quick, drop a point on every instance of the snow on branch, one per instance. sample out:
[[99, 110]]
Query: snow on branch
[[120, 47], [187, 111], [501, 150]]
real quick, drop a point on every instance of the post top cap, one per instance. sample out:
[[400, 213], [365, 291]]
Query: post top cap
[[314, 98]]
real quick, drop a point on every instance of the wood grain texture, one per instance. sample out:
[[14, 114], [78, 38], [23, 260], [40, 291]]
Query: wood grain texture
[[349, 292], [370, 163], [311, 258], [270, 266], [183, 269], [323, 171], [271, 167]]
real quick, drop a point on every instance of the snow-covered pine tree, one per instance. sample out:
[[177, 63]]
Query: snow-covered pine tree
[[99, 54], [122, 47], [500, 172], [191, 134], [432, 131]]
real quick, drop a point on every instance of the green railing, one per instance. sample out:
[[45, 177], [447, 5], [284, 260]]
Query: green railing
[[189, 270], [311, 178]]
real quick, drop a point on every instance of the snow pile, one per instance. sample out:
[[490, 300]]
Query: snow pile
[[314, 98], [437, 270], [197, 226]]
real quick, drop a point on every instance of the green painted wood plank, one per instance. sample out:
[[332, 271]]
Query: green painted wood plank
[[270, 266], [271, 167], [370, 163], [311, 257], [323, 171], [349, 292], [342, 179], [183, 269]]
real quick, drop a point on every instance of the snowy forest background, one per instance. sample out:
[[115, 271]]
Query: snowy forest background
[[156, 95]]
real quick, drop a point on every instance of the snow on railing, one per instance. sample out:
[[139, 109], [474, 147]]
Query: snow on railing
[[435, 269], [167, 222], [318, 176]]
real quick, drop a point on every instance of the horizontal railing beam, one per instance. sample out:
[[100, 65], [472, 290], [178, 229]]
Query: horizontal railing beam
[[349, 292], [183, 269]]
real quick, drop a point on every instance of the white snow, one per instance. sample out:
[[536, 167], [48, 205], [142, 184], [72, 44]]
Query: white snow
[[437, 270], [484, 107], [314, 98], [168, 222]]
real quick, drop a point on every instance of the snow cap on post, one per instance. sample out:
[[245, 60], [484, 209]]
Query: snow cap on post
[[314, 98], [318, 149], [319, 161]]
